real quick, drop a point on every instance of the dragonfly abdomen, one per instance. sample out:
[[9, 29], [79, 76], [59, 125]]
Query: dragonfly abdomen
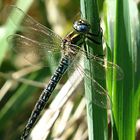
[[64, 63], [55, 79]]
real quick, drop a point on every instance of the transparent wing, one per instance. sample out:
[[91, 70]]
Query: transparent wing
[[34, 41], [101, 66], [99, 94], [34, 52], [34, 30]]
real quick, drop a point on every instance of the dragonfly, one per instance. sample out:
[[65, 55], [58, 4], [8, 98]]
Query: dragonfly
[[38, 40]]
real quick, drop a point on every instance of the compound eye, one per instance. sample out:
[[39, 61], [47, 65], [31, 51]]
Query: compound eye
[[81, 26]]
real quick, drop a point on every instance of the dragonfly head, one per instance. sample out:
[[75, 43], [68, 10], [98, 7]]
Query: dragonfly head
[[81, 26]]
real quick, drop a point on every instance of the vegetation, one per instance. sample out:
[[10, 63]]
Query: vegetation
[[65, 116]]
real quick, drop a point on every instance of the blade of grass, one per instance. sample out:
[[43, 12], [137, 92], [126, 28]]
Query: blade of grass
[[122, 97], [96, 117], [125, 104]]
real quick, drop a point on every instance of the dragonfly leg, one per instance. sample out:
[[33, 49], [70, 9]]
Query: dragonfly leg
[[96, 38], [100, 55], [86, 51], [98, 34]]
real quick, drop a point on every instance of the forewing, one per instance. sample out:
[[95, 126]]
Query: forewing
[[34, 30], [33, 51], [101, 66]]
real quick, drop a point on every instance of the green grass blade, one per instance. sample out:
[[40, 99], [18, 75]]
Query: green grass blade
[[125, 93], [96, 117]]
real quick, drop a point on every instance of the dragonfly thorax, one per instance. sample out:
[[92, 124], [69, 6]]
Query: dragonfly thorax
[[81, 26], [69, 49]]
